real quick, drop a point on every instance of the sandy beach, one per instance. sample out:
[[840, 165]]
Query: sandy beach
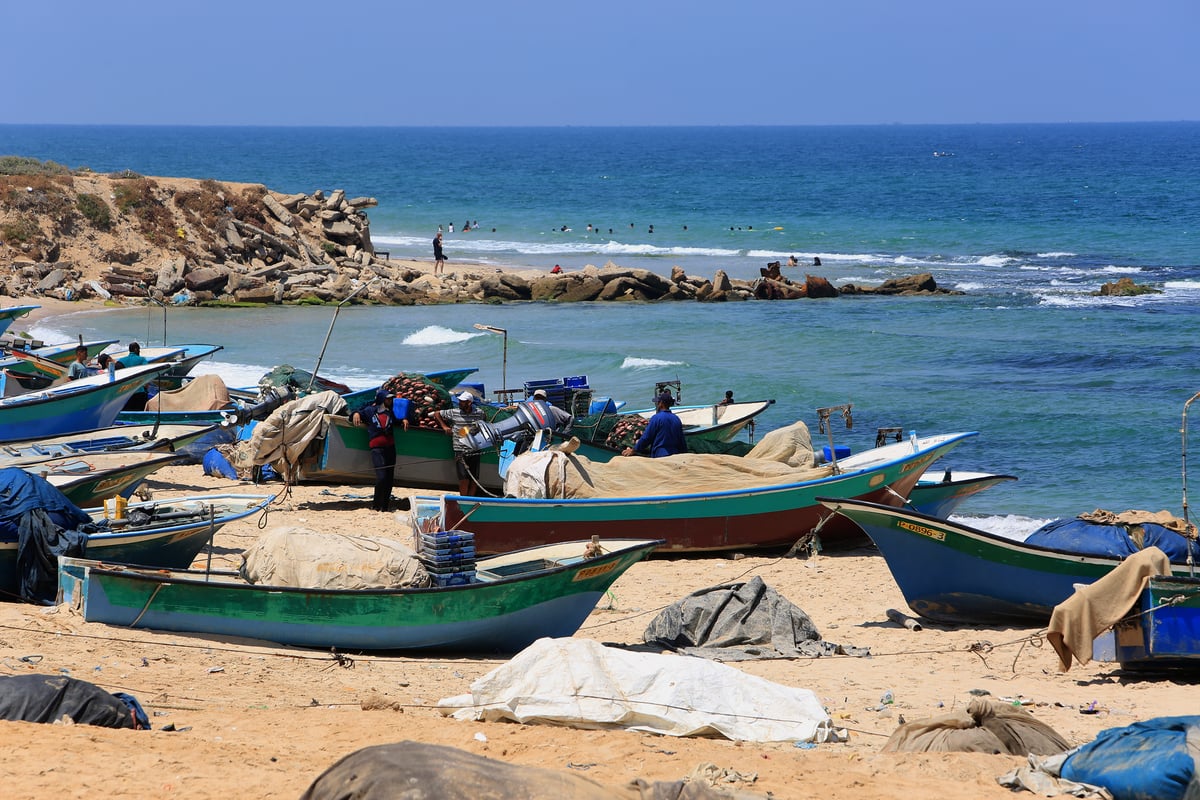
[[256, 720]]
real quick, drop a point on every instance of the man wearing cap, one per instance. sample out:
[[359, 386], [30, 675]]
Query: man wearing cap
[[452, 420], [562, 420], [380, 419], [664, 432]]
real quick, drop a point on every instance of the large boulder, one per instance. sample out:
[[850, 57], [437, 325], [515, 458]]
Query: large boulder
[[170, 275], [208, 279], [818, 287]]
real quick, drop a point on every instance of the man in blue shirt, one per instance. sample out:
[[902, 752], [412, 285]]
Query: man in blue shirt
[[135, 357], [664, 432]]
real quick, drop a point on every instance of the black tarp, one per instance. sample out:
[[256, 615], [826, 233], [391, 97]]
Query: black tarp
[[417, 771], [47, 698], [738, 622]]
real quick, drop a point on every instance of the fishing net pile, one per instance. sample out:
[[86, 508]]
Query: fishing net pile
[[783, 456], [299, 380], [425, 397]]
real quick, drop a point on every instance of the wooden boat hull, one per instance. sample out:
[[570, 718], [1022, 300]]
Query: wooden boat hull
[[108, 474], [171, 542], [77, 406], [957, 574], [1163, 634], [499, 616], [424, 459], [767, 516], [123, 438], [939, 493]]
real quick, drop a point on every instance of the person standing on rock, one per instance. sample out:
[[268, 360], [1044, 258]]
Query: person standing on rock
[[439, 257]]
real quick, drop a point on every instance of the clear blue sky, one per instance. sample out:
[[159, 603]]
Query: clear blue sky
[[650, 62]]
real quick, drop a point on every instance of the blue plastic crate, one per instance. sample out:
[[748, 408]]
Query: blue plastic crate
[[841, 450], [454, 579], [576, 382]]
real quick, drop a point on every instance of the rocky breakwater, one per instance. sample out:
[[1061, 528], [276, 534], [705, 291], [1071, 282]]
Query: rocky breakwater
[[125, 237]]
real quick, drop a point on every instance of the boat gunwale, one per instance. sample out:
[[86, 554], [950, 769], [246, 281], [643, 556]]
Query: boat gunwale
[[195, 577], [867, 468]]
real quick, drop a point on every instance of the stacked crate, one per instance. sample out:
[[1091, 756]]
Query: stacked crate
[[448, 556], [572, 394]]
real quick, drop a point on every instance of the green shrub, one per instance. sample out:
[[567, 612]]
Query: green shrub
[[19, 231], [19, 165], [94, 210]]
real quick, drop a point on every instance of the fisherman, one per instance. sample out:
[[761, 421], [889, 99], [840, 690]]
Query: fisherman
[[728, 401], [381, 419], [456, 421], [664, 432], [562, 420], [79, 367]]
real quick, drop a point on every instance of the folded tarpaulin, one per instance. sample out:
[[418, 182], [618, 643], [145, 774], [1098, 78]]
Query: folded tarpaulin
[[739, 622], [581, 683]]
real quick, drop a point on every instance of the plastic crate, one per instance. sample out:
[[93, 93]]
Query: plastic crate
[[454, 579], [576, 382], [449, 539]]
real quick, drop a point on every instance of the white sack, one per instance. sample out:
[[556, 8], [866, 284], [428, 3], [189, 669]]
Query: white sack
[[580, 683]]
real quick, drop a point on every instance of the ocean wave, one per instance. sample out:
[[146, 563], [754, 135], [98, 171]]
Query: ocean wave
[[246, 376], [1010, 526], [997, 260], [1056, 255], [471, 246], [437, 334], [632, 362]]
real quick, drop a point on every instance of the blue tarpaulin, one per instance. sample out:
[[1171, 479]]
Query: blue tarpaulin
[[1089, 538], [21, 492]]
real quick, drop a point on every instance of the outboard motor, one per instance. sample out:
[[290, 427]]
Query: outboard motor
[[268, 402], [530, 417]]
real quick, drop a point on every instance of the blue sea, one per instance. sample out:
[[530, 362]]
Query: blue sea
[[1079, 396]]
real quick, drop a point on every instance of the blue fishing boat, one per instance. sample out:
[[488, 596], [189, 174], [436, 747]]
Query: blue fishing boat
[[161, 438], [79, 405], [8, 315], [513, 600], [940, 492], [182, 359], [1161, 630], [950, 572], [164, 532]]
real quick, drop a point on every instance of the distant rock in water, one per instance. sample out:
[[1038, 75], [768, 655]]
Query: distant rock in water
[[1125, 287]]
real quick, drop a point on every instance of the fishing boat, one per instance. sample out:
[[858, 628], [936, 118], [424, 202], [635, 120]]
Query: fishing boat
[[26, 369], [164, 438], [94, 477], [715, 422], [9, 315], [1161, 632], [182, 359], [776, 515], [940, 492], [159, 533], [80, 405], [515, 599], [951, 572]]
